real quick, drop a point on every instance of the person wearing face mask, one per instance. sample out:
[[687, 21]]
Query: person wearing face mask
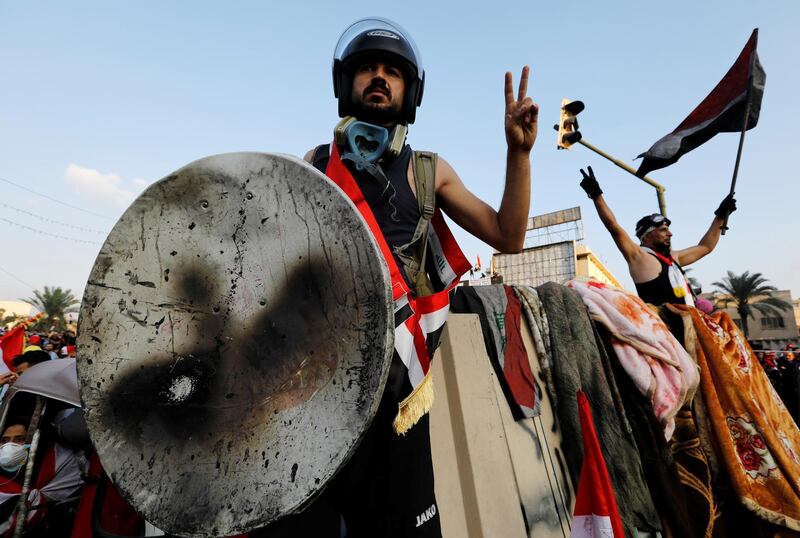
[[56, 479], [13, 447], [657, 269], [13, 455]]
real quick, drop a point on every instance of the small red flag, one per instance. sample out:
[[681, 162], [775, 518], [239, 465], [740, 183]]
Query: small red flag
[[595, 513], [12, 343]]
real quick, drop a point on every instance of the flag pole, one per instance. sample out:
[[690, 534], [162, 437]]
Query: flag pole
[[724, 226]]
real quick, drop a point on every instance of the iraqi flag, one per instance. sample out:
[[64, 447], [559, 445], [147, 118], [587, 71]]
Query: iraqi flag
[[11, 345], [721, 112], [595, 514]]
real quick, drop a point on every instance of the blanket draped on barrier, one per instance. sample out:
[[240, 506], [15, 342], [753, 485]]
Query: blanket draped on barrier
[[757, 441], [578, 363], [540, 333], [498, 309], [679, 485], [659, 367]]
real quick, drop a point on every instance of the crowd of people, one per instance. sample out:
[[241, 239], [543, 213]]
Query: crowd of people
[[52, 434], [783, 370], [58, 345]]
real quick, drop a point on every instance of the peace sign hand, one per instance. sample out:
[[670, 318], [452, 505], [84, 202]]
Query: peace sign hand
[[522, 114]]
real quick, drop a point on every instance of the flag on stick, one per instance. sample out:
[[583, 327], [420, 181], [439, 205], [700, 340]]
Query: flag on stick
[[596, 514], [722, 111]]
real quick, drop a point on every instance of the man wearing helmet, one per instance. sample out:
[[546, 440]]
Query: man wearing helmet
[[386, 489], [378, 79], [656, 269]]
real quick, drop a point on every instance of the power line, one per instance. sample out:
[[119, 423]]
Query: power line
[[56, 200], [48, 233], [53, 221], [12, 275]]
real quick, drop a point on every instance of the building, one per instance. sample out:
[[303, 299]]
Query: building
[[553, 253], [796, 307], [772, 331], [589, 265], [17, 309]]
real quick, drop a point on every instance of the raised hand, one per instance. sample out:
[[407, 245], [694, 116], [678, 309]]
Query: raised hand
[[590, 184], [522, 114], [726, 207]]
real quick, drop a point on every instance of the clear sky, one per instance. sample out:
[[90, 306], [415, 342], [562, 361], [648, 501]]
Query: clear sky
[[99, 99]]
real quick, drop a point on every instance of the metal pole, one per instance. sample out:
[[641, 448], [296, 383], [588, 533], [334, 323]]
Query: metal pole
[[22, 507], [6, 405], [724, 226], [662, 204]]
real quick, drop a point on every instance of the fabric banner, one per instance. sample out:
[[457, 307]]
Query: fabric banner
[[722, 111], [595, 514]]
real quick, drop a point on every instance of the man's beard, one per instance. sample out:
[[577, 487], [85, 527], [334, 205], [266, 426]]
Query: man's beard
[[666, 250], [376, 113], [382, 115]]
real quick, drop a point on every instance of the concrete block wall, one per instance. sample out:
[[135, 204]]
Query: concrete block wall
[[495, 477]]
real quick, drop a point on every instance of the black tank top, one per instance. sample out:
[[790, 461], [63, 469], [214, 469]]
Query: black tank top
[[397, 212], [395, 206], [659, 290]]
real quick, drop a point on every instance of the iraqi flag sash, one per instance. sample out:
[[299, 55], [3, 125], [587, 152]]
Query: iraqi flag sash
[[419, 321], [678, 281]]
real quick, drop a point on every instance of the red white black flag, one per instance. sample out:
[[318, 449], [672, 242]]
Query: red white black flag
[[722, 111], [595, 514]]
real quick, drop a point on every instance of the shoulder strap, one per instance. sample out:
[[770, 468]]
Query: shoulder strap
[[413, 253], [425, 179], [424, 168], [320, 158]]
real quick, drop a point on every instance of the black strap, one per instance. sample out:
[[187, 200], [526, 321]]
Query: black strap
[[322, 154], [424, 168]]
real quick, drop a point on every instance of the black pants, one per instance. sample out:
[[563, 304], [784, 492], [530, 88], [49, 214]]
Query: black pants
[[384, 491]]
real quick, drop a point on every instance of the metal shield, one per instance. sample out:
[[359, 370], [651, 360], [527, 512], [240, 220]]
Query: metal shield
[[235, 337]]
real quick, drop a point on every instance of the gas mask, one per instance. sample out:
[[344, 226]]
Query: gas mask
[[366, 143], [13, 456]]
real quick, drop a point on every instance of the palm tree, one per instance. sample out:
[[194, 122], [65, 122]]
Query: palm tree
[[8, 320], [748, 292], [54, 302]]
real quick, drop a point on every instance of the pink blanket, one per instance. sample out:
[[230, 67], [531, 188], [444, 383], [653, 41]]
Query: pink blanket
[[658, 365]]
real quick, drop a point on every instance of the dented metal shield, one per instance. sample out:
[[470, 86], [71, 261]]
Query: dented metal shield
[[234, 340]]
